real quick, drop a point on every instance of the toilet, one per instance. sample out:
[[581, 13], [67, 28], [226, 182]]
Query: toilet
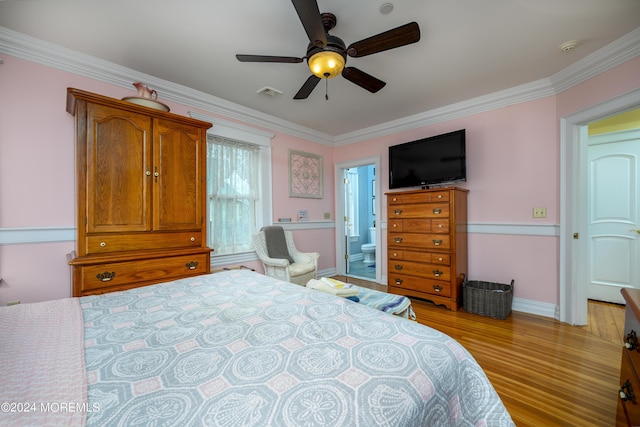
[[369, 249]]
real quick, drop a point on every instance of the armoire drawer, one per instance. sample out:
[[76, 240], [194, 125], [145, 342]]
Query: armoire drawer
[[420, 284], [417, 256], [416, 225], [420, 241], [431, 271], [106, 243], [96, 277]]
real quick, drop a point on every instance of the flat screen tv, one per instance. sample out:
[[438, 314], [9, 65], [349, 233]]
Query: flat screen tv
[[426, 162]]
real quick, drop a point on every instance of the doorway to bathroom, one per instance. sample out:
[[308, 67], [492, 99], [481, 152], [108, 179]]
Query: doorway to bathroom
[[357, 248]]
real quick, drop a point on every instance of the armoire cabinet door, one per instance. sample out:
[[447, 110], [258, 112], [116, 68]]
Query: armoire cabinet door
[[177, 197], [118, 166]]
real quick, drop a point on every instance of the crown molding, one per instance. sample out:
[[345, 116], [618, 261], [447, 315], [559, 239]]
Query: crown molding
[[49, 54], [619, 51]]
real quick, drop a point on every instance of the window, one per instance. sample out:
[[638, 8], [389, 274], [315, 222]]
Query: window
[[229, 237], [233, 186]]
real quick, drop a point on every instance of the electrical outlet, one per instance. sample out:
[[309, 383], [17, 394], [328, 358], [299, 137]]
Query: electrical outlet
[[539, 212], [327, 215]]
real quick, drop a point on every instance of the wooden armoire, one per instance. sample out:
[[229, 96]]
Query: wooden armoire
[[141, 195]]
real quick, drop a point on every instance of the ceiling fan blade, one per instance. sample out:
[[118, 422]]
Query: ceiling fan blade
[[267, 58], [399, 36], [307, 87], [362, 79], [309, 15]]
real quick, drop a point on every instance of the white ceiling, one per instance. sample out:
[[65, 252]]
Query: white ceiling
[[468, 48]]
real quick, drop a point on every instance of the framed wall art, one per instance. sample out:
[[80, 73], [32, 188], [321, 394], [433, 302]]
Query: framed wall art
[[305, 175]]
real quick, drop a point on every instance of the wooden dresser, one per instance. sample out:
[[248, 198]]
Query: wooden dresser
[[141, 195], [629, 396], [427, 244]]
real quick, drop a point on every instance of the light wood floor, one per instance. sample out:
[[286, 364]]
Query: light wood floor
[[547, 373]]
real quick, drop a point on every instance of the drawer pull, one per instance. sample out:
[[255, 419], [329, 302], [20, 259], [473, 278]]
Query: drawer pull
[[192, 265], [193, 239], [626, 392], [103, 244], [106, 276], [437, 288], [437, 273], [440, 259], [439, 196], [437, 211], [395, 254], [631, 341], [395, 225], [397, 211], [437, 242], [398, 281], [398, 267], [398, 240]]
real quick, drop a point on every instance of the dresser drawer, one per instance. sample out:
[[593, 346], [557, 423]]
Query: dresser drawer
[[629, 384], [419, 197], [420, 241], [431, 271], [105, 243], [416, 256], [427, 286], [415, 225], [97, 277], [430, 210]]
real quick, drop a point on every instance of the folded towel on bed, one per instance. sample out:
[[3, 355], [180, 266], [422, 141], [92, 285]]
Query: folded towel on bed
[[332, 286]]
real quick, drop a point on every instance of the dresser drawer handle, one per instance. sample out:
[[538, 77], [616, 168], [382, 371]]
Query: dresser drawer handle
[[437, 242], [398, 281], [395, 225], [106, 276], [437, 273], [397, 211], [192, 265], [440, 259], [193, 239], [631, 341], [439, 196], [103, 244], [437, 288], [437, 211], [395, 254], [398, 267], [398, 240], [626, 392]]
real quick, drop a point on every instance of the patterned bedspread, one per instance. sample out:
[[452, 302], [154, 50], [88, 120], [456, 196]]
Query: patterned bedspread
[[237, 348]]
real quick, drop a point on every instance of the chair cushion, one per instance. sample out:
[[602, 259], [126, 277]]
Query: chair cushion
[[298, 268], [276, 242]]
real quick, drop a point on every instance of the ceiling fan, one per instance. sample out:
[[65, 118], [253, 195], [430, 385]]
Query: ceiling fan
[[327, 54]]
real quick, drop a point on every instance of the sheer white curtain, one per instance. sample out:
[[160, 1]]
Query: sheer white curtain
[[233, 187]]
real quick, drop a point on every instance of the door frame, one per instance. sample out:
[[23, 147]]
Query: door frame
[[573, 217], [340, 212]]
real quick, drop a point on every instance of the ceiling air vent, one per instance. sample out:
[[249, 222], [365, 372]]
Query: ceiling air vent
[[270, 91]]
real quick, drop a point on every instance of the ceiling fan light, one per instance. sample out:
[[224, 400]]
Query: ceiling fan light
[[326, 64]]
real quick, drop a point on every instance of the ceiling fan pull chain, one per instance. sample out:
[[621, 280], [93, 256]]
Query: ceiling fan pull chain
[[326, 90]]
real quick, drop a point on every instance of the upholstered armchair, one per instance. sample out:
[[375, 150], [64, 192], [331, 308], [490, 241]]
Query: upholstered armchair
[[280, 258]]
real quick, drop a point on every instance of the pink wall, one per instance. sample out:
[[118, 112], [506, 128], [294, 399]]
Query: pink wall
[[512, 159], [513, 166]]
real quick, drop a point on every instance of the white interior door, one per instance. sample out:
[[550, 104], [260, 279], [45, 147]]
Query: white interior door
[[346, 220], [613, 218]]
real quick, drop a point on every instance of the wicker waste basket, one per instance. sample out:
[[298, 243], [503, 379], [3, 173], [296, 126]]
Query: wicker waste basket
[[487, 298]]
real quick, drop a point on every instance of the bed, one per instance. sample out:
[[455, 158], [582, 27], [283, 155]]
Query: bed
[[234, 348]]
